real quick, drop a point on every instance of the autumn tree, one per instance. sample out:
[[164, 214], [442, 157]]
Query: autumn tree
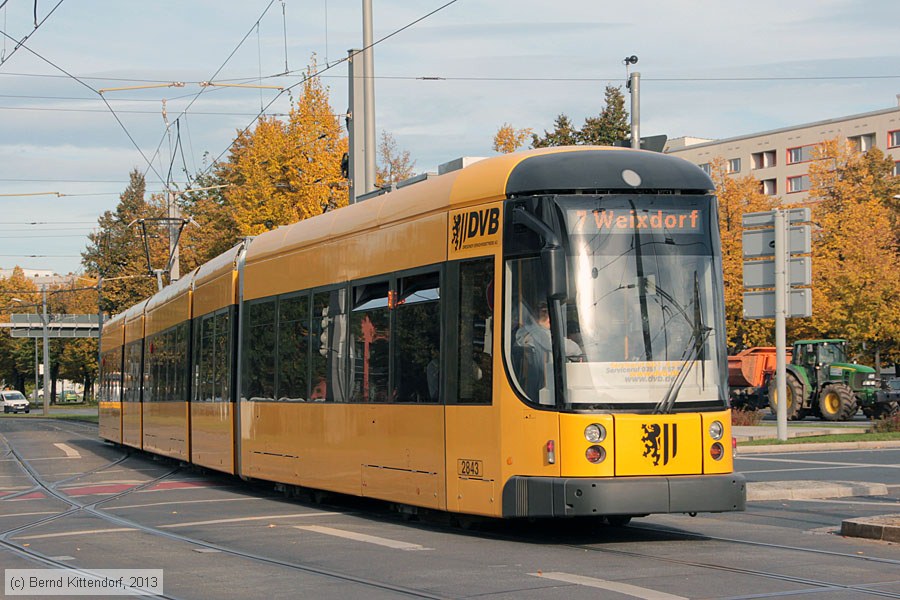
[[16, 354], [856, 265], [116, 251], [738, 195], [286, 171], [393, 164], [509, 139]]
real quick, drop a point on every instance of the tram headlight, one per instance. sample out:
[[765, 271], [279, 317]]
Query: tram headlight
[[595, 454], [716, 430], [717, 451], [595, 433]]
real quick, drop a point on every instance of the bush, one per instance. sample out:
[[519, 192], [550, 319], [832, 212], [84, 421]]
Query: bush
[[887, 424], [745, 417]]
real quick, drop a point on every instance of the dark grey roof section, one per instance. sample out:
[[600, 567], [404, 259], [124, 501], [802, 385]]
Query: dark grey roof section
[[591, 170]]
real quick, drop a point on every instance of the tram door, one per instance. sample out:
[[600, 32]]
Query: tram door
[[472, 429]]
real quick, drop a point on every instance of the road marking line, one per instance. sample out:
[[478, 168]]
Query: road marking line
[[69, 450], [613, 586], [68, 533], [361, 537], [761, 458], [856, 502], [184, 502], [30, 514], [242, 519]]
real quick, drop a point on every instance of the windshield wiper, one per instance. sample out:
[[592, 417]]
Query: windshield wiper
[[689, 356]]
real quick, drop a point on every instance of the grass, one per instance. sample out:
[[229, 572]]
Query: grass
[[820, 439], [39, 414]]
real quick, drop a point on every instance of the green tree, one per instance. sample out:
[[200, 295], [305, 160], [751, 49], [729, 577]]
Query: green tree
[[563, 134], [611, 125], [117, 252], [213, 230]]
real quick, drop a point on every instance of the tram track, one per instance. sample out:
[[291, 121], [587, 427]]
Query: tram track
[[818, 584], [93, 509]]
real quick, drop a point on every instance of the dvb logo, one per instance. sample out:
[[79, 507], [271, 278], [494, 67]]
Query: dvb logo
[[474, 224]]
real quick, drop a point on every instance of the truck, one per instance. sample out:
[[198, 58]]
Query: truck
[[749, 373], [823, 382]]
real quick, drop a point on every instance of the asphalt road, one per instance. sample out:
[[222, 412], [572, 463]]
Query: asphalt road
[[67, 500]]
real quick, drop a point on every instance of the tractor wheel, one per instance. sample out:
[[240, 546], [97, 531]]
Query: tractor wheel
[[881, 410], [794, 391], [837, 403]]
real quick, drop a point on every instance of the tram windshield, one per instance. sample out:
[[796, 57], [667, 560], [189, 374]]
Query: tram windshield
[[643, 317]]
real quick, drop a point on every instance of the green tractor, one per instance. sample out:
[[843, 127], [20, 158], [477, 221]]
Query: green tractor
[[822, 382]]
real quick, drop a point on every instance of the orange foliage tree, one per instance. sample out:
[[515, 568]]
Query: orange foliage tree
[[736, 197], [856, 265], [287, 171]]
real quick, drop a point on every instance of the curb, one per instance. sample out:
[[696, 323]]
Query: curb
[[761, 491], [885, 528], [814, 447]]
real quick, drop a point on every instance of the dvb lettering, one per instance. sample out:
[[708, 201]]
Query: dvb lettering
[[476, 223]]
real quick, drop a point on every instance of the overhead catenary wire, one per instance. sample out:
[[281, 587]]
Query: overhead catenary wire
[[21, 43], [318, 73], [97, 92], [213, 76]]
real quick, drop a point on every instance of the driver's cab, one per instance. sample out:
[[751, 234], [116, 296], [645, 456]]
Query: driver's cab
[[818, 355]]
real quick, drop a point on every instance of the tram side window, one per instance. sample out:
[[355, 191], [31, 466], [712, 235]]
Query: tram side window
[[417, 339], [212, 347], [132, 381], [474, 369], [328, 342], [221, 348], [112, 375], [258, 369], [370, 336], [151, 368], [204, 332], [293, 347]]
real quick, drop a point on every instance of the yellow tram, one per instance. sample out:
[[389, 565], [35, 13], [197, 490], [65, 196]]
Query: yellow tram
[[538, 334]]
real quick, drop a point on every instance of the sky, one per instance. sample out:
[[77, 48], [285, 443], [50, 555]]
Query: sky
[[709, 68]]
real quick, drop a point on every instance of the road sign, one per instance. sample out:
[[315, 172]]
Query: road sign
[[761, 273], [767, 218], [760, 243], [761, 305]]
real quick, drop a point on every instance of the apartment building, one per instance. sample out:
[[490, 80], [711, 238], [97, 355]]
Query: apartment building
[[780, 158]]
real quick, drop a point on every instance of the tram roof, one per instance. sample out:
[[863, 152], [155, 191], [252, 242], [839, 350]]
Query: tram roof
[[544, 170]]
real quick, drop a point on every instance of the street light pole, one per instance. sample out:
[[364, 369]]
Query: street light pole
[[44, 322]]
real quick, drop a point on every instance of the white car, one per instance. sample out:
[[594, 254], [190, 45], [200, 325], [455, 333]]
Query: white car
[[14, 402]]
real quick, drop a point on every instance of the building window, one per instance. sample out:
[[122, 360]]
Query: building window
[[800, 154], [800, 183], [734, 165], [768, 187], [896, 168], [894, 138], [763, 160], [863, 143], [705, 168]]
